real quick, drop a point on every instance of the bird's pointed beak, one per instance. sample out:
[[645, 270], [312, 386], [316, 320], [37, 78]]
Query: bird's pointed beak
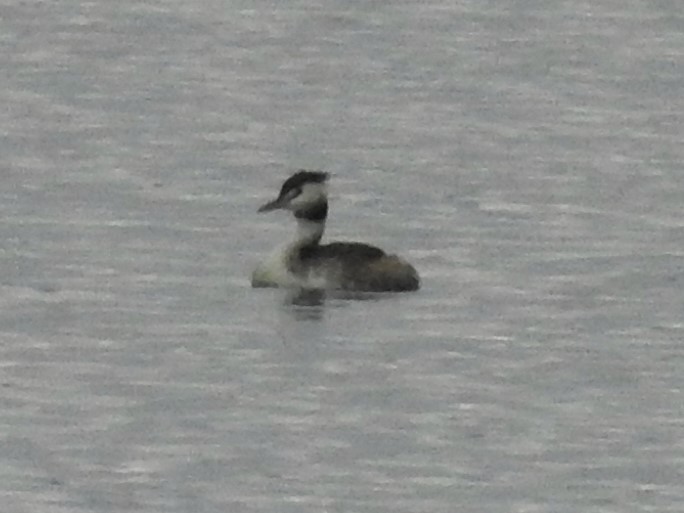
[[271, 205]]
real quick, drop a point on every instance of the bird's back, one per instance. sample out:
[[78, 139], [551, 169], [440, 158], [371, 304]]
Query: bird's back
[[358, 266]]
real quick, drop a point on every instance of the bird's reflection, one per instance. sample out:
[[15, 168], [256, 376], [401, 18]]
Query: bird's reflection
[[305, 297], [310, 304], [306, 304]]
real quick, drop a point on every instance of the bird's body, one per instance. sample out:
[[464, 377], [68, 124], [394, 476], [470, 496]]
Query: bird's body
[[306, 263]]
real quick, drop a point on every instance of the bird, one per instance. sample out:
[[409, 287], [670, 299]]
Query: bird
[[305, 263]]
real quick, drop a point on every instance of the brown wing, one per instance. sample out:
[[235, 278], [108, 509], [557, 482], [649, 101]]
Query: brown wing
[[346, 251], [363, 267]]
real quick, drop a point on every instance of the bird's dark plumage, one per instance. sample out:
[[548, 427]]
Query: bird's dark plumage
[[300, 178], [343, 250]]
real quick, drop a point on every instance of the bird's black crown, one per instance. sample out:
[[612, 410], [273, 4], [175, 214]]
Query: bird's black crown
[[302, 177]]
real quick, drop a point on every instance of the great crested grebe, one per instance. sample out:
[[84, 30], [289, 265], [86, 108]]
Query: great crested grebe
[[307, 264]]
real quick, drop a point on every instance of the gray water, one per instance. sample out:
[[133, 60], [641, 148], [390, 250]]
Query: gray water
[[526, 157]]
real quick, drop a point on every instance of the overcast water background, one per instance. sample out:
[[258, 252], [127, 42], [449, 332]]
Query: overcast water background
[[526, 156]]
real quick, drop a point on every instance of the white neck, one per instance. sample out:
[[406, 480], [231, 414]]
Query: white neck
[[309, 232]]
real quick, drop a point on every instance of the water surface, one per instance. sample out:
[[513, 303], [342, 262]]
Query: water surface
[[525, 157]]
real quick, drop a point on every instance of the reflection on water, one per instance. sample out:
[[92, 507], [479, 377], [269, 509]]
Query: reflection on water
[[310, 304], [305, 297], [305, 304], [317, 297]]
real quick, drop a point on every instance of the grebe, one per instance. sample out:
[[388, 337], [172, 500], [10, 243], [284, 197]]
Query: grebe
[[306, 263]]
